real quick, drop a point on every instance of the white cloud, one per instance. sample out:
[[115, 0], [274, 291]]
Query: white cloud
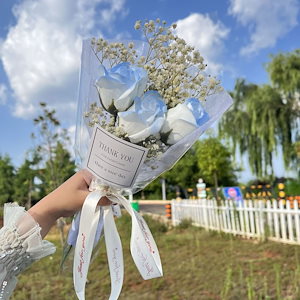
[[268, 20], [71, 134], [41, 53], [3, 94], [206, 35], [116, 9]]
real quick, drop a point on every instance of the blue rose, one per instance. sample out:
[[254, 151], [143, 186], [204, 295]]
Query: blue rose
[[195, 106], [119, 86], [183, 119], [144, 118]]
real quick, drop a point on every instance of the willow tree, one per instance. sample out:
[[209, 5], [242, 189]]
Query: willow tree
[[284, 71], [259, 122]]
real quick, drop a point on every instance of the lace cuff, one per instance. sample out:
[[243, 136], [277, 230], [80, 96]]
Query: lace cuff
[[20, 245]]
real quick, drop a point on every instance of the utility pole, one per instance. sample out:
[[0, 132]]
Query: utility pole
[[163, 189]]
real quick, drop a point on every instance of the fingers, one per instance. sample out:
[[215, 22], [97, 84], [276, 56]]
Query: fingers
[[87, 176]]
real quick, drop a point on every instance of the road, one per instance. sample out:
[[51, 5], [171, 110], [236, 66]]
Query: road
[[154, 207]]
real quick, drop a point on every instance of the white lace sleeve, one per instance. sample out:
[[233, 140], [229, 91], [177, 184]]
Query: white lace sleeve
[[20, 245]]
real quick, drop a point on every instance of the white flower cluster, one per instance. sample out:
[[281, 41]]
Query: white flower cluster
[[97, 115], [155, 146], [113, 53], [174, 68], [151, 99]]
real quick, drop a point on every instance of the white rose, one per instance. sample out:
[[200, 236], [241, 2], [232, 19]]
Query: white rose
[[144, 118], [180, 121], [119, 86]]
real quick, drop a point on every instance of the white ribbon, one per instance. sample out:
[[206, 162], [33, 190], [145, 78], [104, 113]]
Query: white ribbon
[[142, 245]]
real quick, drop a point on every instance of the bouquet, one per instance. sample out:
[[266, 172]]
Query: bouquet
[[141, 106]]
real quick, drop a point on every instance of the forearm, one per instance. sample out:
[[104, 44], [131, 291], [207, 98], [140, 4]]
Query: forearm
[[64, 201], [43, 216], [59, 203]]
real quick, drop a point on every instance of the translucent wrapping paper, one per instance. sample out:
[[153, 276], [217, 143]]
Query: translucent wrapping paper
[[215, 105]]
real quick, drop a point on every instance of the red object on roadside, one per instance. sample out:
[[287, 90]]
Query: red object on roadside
[[168, 211]]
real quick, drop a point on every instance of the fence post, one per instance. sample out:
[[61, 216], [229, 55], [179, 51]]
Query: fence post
[[205, 213], [269, 220], [289, 222], [232, 217], [240, 209], [224, 213], [276, 219], [297, 222], [262, 219], [282, 220], [247, 220], [251, 215], [173, 215], [217, 215]]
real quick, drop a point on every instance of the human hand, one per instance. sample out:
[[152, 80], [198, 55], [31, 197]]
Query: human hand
[[64, 201], [69, 197]]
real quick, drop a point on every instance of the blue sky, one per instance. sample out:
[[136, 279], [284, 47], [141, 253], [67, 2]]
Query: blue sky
[[40, 44]]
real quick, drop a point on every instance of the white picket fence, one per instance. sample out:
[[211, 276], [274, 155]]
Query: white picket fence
[[271, 220]]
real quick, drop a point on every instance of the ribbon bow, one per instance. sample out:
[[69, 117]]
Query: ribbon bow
[[142, 245]]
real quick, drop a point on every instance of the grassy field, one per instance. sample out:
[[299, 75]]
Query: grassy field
[[197, 265]]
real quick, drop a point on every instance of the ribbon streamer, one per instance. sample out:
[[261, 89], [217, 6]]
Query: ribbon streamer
[[142, 245]]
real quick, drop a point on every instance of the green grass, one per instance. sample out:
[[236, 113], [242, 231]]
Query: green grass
[[197, 265]]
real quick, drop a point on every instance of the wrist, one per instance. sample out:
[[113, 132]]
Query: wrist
[[44, 214]]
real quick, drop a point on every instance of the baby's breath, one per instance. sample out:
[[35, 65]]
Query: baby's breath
[[175, 69], [155, 147], [97, 115]]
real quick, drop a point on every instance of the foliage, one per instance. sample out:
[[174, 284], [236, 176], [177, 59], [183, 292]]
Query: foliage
[[192, 166], [292, 187], [25, 188], [185, 223], [258, 123], [284, 71], [58, 169], [56, 164], [186, 172], [297, 155], [7, 173], [214, 161]]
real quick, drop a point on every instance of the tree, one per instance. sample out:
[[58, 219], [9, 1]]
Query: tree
[[186, 172], [297, 154], [214, 161], [259, 122], [284, 71], [7, 173], [56, 164], [25, 189], [61, 165]]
